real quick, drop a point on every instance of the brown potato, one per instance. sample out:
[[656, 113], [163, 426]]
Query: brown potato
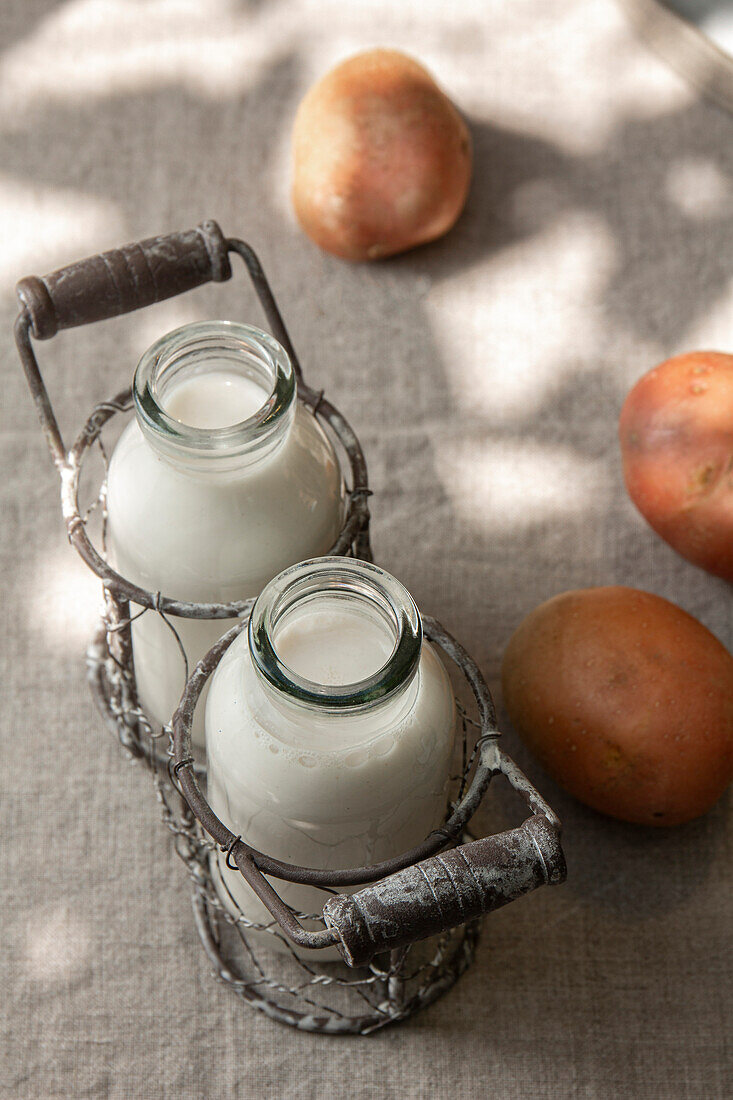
[[626, 700], [382, 159], [676, 432]]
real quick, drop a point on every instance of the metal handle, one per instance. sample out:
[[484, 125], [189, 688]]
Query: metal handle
[[446, 890], [124, 279], [130, 278], [418, 893]]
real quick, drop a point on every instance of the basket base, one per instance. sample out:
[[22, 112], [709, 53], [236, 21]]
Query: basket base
[[404, 986]]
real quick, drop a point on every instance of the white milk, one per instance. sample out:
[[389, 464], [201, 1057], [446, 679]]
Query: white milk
[[216, 399], [326, 790], [332, 643], [212, 526]]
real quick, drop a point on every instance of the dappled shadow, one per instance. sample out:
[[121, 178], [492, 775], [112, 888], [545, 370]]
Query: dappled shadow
[[161, 145], [477, 554], [696, 10], [162, 153], [523, 185], [19, 21]]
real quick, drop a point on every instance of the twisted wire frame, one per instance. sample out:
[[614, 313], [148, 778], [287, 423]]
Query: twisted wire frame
[[105, 286], [301, 992]]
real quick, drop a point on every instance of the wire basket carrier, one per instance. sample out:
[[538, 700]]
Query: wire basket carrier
[[410, 929]]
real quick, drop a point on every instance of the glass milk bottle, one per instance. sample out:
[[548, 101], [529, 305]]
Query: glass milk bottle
[[222, 480], [329, 728]]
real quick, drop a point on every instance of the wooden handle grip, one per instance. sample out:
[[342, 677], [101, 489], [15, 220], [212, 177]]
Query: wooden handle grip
[[446, 890], [124, 279]]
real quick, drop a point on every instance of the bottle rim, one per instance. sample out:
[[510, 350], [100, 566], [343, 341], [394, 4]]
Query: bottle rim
[[243, 348], [351, 579]]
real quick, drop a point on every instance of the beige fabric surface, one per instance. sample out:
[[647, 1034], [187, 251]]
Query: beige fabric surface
[[484, 374]]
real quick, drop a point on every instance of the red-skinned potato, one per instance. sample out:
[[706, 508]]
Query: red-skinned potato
[[676, 433], [626, 701], [382, 159]]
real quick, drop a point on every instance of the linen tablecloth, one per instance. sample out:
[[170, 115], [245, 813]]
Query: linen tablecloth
[[484, 375]]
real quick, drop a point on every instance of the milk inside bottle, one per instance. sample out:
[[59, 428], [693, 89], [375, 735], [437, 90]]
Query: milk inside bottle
[[329, 728], [222, 480]]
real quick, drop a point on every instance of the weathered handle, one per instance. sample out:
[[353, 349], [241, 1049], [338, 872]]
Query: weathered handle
[[446, 890], [124, 279]]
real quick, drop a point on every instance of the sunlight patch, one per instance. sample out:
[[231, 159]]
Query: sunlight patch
[[96, 48], [699, 188], [67, 599], [57, 945], [532, 318], [45, 227], [507, 486]]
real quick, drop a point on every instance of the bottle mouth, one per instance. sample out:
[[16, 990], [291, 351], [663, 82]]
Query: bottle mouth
[[202, 348], [353, 584]]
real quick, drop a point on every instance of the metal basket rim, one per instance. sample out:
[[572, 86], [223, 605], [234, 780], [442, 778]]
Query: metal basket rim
[[355, 526], [489, 763]]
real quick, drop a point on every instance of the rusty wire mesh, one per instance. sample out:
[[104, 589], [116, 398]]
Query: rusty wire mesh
[[390, 988], [304, 993]]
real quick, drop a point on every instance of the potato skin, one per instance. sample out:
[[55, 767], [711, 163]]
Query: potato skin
[[382, 159], [627, 702], [676, 434]]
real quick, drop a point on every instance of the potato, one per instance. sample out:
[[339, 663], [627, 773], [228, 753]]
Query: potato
[[626, 700], [382, 159], [676, 432]]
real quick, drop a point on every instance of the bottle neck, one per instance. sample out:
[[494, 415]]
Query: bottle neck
[[215, 363], [334, 638]]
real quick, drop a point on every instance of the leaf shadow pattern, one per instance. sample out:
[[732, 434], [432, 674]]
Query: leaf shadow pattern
[[523, 183], [18, 22], [367, 335]]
